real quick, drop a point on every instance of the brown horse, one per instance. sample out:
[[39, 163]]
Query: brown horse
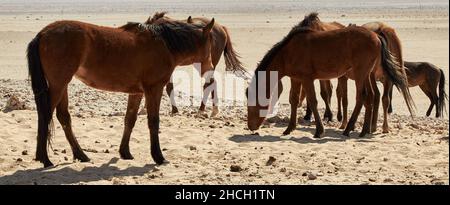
[[394, 46], [134, 58], [221, 44], [429, 78], [306, 55], [326, 88]]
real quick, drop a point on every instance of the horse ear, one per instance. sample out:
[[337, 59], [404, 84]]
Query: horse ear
[[208, 27], [189, 20]]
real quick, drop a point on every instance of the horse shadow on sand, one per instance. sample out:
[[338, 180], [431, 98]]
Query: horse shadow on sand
[[68, 175], [329, 135]]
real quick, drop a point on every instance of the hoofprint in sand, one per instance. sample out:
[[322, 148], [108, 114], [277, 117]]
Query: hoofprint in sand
[[215, 151]]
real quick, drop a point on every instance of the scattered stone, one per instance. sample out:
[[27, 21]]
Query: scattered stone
[[415, 126], [270, 161], [24, 152], [312, 176], [343, 15], [372, 179], [192, 148], [63, 151], [106, 151], [155, 169], [14, 103], [111, 126], [385, 159], [65, 158], [283, 169], [212, 126], [319, 174], [235, 168], [19, 159], [387, 180]]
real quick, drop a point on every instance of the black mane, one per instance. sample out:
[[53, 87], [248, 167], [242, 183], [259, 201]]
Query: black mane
[[302, 27], [179, 37]]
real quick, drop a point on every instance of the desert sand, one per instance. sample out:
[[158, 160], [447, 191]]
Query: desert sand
[[202, 150]]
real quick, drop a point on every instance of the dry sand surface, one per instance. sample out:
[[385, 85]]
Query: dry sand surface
[[202, 150]]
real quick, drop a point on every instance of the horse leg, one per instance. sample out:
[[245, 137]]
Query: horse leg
[[293, 100], [63, 115], [308, 114], [387, 85], [312, 101], [360, 98], [339, 100], [215, 98], [153, 96], [134, 100], [376, 104], [368, 105], [326, 92], [171, 94], [390, 101], [344, 98], [427, 92]]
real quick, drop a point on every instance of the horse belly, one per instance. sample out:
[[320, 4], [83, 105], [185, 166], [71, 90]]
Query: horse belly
[[109, 82]]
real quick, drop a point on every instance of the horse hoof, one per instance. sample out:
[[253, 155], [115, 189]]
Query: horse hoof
[[339, 118], [158, 158], [126, 156], [385, 131], [317, 136], [48, 163], [286, 132], [362, 135], [346, 133], [82, 157]]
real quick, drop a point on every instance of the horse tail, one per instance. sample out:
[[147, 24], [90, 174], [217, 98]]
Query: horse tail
[[232, 62], [442, 95], [394, 72], [41, 97]]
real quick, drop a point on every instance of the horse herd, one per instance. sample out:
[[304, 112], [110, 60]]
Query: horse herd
[[139, 59]]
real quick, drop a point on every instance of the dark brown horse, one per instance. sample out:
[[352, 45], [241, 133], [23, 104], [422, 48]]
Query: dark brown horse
[[306, 55], [221, 44], [135, 58], [430, 79], [394, 46]]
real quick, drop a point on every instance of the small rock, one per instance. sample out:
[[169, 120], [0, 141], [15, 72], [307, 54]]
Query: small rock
[[235, 168], [19, 159], [111, 126], [63, 151], [106, 151], [270, 161], [387, 180], [155, 169], [192, 148], [24, 152], [319, 174], [65, 158], [312, 176], [415, 126], [372, 179], [385, 159], [304, 174], [283, 169]]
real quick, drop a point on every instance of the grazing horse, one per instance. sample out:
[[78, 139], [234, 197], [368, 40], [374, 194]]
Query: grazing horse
[[429, 78], [221, 44], [394, 47], [306, 55], [326, 88], [134, 58]]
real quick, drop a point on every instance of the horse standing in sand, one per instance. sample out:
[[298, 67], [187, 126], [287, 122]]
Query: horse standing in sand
[[306, 55], [388, 34], [430, 79], [221, 44], [130, 59]]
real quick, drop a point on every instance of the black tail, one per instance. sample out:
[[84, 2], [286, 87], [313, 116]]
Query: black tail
[[394, 72], [232, 62], [42, 99], [442, 95]]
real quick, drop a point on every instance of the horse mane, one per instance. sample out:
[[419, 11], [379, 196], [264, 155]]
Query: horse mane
[[155, 17], [179, 37], [303, 27]]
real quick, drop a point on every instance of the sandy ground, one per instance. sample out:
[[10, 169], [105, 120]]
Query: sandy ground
[[201, 150]]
